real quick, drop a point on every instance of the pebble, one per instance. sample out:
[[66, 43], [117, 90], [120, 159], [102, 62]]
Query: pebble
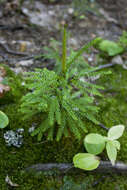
[[90, 59], [117, 60], [17, 70], [26, 62], [70, 11]]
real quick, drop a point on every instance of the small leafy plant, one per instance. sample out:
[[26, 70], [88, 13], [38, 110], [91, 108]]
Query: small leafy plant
[[111, 48], [95, 144], [63, 99]]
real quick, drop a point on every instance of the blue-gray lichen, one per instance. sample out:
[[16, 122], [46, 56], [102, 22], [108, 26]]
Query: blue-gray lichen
[[14, 138]]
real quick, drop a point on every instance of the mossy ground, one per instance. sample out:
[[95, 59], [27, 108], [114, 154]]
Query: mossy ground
[[13, 160]]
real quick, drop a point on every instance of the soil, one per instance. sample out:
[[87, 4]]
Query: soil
[[24, 26]]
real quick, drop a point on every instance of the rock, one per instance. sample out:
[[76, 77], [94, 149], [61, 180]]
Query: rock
[[17, 70], [26, 63], [70, 11], [22, 45], [73, 43], [117, 60], [107, 17], [40, 15], [125, 65], [90, 59]]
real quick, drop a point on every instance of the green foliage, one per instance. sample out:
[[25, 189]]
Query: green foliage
[[3, 120], [113, 111], [64, 100], [54, 99], [109, 47], [115, 132], [95, 144], [75, 61], [86, 161], [123, 40], [81, 183], [2, 1], [111, 152], [112, 144]]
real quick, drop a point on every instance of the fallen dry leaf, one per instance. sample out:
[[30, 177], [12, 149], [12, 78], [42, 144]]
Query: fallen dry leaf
[[2, 72], [9, 182], [3, 89]]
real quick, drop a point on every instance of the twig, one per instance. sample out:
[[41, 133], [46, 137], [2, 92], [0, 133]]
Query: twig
[[12, 27], [104, 167], [106, 66], [103, 126], [40, 142], [5, 47], [46, 167]]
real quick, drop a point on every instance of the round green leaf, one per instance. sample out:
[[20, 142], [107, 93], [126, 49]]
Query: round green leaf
[[111, 151], [86, 161], [94, 143], [3, 120], [115, 132]]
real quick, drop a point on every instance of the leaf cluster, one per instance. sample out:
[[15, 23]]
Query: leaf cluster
[[95, 144], [3, 120], [111, 48], [64, 100]]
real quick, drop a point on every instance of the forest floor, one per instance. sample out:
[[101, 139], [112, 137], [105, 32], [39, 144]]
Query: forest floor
[[31, 28], [24, 32]]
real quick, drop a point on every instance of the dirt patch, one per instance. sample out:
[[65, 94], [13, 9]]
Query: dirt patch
[[117, 9], [36, 23]]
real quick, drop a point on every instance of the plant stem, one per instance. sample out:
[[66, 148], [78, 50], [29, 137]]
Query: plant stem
[[64, 50]]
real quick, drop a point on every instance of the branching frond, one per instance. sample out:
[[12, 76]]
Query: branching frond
[[64, 102]]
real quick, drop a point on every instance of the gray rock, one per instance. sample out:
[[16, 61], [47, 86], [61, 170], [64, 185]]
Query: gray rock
[[125, 65], [26, 63], [117, 60]]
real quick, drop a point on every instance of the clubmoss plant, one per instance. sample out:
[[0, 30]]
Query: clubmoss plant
[[63, 100]]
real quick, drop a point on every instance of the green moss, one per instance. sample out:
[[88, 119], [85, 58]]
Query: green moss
[[91, 182], [13, 160]]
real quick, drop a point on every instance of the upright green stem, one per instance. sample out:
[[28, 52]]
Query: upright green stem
[[64, 50]]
